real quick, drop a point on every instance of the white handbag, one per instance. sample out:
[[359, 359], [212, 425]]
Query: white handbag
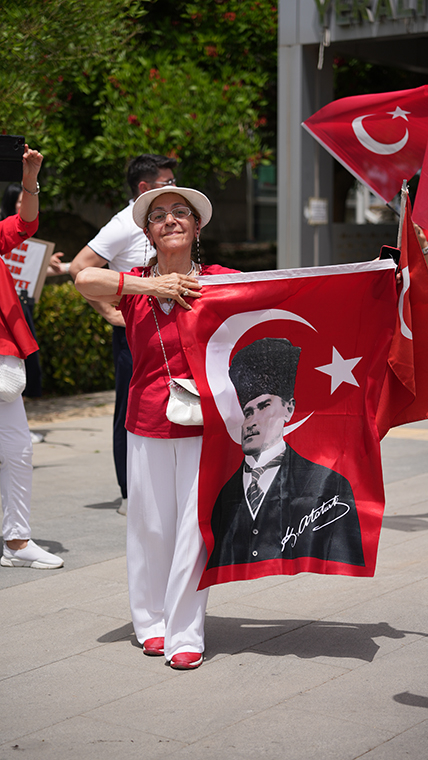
[[184, 403], [12, 377]]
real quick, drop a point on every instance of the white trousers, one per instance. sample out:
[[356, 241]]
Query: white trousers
[[16, 471], [165, 550]]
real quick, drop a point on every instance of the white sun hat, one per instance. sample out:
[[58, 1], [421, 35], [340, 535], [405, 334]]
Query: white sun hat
[[198, 200]]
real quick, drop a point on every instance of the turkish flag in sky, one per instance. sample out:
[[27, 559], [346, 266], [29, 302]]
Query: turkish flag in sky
[[323, 508], [404, 396], [380, 138]]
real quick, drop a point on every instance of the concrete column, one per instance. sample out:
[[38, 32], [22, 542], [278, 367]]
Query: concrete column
[[289, 155], [304, 167]]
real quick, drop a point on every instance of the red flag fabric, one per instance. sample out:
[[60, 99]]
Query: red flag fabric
[[16, 338], [322, 489], [404, 396], [420, 206], [380, 138]]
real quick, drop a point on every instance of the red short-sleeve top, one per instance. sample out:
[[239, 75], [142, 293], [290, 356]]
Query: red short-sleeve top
[[148, 390]]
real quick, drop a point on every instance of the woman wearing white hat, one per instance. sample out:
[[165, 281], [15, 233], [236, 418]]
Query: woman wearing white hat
[[166, 553]]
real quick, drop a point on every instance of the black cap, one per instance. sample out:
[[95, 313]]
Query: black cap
[[268, 366]]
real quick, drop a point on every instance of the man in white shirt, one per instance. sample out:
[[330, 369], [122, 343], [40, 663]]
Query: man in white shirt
[[122, 245], [278, 505]]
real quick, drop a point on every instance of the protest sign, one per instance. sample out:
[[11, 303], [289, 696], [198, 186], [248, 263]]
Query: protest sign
[[28, 263]]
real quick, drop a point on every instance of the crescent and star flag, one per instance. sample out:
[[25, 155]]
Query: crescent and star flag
[[380, 138], [404, 396], [290, 366]]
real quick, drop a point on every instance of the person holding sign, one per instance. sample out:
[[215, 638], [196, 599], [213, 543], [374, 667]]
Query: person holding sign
[[16, 343]]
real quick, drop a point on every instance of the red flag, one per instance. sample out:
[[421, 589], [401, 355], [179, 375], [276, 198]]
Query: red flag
[[420, 206], [404, 396], [380, 138], [322, 507], [15, 335]]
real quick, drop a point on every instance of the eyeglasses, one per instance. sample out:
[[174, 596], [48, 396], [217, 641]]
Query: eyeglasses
[[179, 212], [165, 183]]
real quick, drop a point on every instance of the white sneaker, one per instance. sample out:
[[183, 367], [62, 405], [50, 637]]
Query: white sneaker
[[123, 509], [36, 437], [31, 556]]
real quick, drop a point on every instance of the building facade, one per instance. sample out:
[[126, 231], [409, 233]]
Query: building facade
[[311, 34]]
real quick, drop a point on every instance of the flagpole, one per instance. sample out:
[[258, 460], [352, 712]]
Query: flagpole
[[391, 208], [316, 234], [404, 194]]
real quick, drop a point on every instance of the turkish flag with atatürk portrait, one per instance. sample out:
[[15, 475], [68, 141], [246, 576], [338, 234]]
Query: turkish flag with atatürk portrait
[[380, 138], [290, 367]]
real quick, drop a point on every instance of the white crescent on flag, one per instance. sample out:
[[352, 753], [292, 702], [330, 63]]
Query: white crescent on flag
[[405, 330], [382, 149]]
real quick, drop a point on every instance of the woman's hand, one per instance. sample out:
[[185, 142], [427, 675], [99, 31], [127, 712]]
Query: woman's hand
[[420, 235], [176, 287], [31, 163]]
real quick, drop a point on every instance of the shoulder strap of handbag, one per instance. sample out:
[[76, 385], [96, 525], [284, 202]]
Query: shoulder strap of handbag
[[160, 338]]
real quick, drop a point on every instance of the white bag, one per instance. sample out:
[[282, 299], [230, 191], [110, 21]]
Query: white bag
[[12, 377], [184, 404]]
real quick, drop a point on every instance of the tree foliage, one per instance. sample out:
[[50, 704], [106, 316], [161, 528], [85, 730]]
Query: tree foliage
[[93, 83], [74, 342]]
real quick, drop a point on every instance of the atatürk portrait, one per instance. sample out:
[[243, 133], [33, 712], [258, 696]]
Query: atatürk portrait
[[279, 505]]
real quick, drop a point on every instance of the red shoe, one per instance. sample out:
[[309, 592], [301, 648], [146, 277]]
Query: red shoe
[[154, 647], [186, 660]]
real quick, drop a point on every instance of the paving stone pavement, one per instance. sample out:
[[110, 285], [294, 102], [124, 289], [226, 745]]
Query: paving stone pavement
[[296, 667]]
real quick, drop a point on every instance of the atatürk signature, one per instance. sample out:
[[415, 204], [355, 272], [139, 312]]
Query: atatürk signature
[[293, 535]]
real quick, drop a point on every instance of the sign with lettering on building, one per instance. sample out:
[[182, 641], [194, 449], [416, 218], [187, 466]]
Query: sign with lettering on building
[[361, 12], [28, 263], [306, 22]]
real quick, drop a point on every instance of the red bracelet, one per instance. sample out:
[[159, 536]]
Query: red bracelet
[[120, 288]]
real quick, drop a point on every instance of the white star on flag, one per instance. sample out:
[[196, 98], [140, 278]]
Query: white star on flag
[[340, 370], [399, 113]]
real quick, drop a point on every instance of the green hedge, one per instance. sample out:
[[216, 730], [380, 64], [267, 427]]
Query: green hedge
[[75, 343]]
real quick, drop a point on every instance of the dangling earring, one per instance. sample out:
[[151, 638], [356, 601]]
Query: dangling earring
[[197, 247], [149, 257]]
